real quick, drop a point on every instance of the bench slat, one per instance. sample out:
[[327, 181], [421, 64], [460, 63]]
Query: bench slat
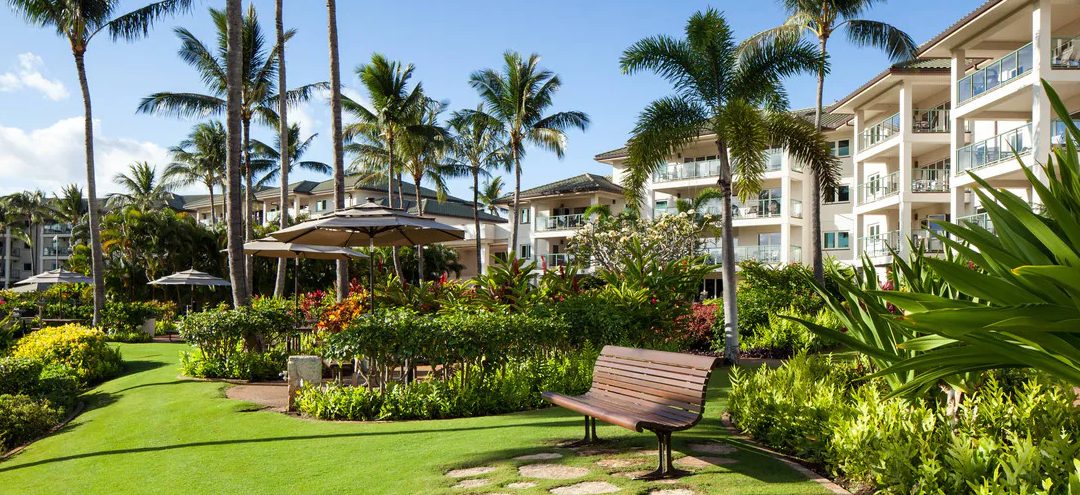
[[662, 357], [669, 383], [677, 370], [660, 390], [637, 395], [651, 412]]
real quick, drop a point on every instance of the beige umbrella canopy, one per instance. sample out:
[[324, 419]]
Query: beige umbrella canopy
[[269, 247], [58, 276], [370, 225], [190, 277]]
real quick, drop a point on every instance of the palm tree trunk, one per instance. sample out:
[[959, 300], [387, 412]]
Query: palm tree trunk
[[249, 203], [390, 169], [338, 138], [233, 165], [284, 146], [419, 211], [213, 213], [815, 182], [97, 261], [512, 248], [727, 253], [476, 215], [400, 192]]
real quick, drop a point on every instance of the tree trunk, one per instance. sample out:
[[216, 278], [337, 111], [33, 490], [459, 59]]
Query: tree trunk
[[233, 165], [419, 211], [249, 213], [338, 138], [815, 183], [727, 253], [400, 192], [512, 248], [97, 260], [476, 216], [213, 214], [7, 257], [390, 169], [284, 145]]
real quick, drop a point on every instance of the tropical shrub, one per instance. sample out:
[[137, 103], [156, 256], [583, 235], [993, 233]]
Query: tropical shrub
[[697, 327], [123, 320], [237, 343], [56, 383], [609, 241], [23, 419], [240, 365], [784, 337], [765, 290], [513, 386], [81, 348], [337, 316]]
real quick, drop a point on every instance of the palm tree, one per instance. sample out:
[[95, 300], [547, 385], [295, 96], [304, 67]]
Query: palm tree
[[490, 194], [200, 159], [69, 206], [234, 116], [337, 134], [518, 97], [734, 93], [258, 96], [819, 19], [284, 141], [479, 145], [145, 191], [78, 21], [266, 155]]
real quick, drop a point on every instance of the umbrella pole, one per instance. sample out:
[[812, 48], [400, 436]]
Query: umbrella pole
[[296, 286], [371, 273]]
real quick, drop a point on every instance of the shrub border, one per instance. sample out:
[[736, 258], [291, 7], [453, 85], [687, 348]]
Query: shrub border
[[74, 413]]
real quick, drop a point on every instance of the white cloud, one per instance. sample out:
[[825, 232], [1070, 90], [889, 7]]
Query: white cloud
[[54, 156], [27, 75]]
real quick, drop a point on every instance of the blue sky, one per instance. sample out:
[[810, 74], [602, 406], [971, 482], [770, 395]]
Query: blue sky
[[41, 110]]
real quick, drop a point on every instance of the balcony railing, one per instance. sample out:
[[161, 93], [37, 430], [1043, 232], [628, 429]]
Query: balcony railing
[[928, 241], [796, 208], [933, 179], [934, 120], [560, 222], [879, 244], [879, 188], [57, 228], [61, 251], [994, 150], [555, 259], [683, 171], [796, 254], [880, 132], [762, 253], [980, 219], [996, 74], [761, 208], [1058, 132], [1065, 53]]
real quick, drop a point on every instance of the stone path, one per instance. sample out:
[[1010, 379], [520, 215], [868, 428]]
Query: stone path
[[604, 470]]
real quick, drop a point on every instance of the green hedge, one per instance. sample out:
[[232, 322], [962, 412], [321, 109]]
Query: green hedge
[[81, 348], [23, 418], [241, 343]]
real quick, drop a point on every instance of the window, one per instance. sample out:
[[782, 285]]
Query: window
[[874, 230], [775, 159], [320, 205], [525, 251], [523, 214], [838, 194], [841, 148], [839, 239]]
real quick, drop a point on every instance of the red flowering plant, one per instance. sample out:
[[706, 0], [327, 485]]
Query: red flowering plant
[[338, 316], [696, 327]]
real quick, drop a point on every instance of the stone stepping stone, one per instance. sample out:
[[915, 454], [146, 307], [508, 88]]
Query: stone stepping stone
[[631, 474], [618, 463], [543, 456], [586, 488], [672, 491], [551, 471], [521, 485], [646, 453], [592, 452], [468, 472], [703, 462], [473, 483], [713, 448]]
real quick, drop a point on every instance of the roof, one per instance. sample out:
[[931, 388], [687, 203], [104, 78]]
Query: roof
[[942, 66], [451, 209], [980, 10], [576, 184], [829, 121]]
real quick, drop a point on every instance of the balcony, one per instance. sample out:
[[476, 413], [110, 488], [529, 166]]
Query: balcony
[[880, 244], [978, 219], [762, 253], [693, 170], [60, 251], [931, 179], [1065, 53], [995, 150], [796, 208], [761, 208], [880, 132], [931, 121], [879, 187], [928, 241], [57, 228], [997, 73], [796, 254], [560, 222], [554, 259], [1058, 132]]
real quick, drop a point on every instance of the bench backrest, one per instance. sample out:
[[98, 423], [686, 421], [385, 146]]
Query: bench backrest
[[657, 380]]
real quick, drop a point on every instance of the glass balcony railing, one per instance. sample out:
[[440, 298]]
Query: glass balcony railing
[[1065, 52], [555, 259], [796, 208], [762, 253], [60, 251], [560, 222], [994, 150], [57, 228], [879, 244], [796, 254], [935, 120], [880, 132], [693, 170], [879, 187], [762, 208], [1058, 132], [995, 74], [932, 179], [980, 219], [928, 241]]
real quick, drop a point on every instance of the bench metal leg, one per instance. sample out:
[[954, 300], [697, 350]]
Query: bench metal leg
[[664, 468], [590, 433]]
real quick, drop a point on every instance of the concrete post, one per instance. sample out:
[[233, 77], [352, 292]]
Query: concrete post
[[957, 135], [1041, 114], [856, 186], [904, 168], [303, 370]]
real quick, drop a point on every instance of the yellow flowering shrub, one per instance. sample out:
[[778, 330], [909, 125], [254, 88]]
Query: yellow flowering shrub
[[82, 348]]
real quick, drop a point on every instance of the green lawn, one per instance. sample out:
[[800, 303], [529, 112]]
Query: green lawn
[[151, 431]]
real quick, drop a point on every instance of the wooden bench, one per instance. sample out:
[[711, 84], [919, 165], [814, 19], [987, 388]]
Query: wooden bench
[[639, 390]]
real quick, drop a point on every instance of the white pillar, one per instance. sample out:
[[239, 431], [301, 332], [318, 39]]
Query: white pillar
[[856, 186], [265, 211], [785, 217], [296, 206], [904, 168], [957, 135], [1041, 114]]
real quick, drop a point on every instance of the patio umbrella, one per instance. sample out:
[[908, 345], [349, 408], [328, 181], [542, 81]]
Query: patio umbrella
[[272, 248], [59, 276], [370, 225], [191, 278]]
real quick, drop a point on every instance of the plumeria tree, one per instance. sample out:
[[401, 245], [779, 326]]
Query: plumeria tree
[[606, 240]]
